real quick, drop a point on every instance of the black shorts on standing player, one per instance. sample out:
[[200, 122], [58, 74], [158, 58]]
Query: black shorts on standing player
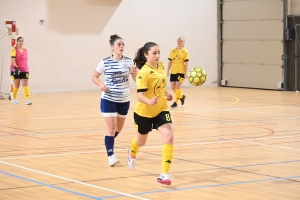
[[176, 77], [22, 75]]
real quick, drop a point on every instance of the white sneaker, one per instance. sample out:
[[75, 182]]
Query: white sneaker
[[112, 160], [14, 101], [165, 179], [28, 102], [131, 161]]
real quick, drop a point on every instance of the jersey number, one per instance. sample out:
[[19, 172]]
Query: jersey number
[[168, 117]]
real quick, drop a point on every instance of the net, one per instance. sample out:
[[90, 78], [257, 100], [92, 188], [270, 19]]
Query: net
[[5, 61]]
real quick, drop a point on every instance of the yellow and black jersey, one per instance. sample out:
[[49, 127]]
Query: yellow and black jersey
[[178, 57], [152, 81]]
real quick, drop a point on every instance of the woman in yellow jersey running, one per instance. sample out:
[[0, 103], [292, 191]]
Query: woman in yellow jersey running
[[151, 110], [178, 63]]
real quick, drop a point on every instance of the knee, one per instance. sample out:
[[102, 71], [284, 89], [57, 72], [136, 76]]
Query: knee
[[169, 139], [111, 131]]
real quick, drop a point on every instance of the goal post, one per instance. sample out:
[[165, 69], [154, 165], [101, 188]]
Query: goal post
[[8, 32]]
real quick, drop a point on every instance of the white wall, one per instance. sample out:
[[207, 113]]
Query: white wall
[[64, 51]]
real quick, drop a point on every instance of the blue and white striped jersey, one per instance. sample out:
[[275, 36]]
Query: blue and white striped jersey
[[117, 75]]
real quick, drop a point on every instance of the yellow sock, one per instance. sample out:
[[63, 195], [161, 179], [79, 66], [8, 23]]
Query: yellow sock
[[134, 148], [177, 96], [26, 92], [15, 92], [180, 93], [167, 156]]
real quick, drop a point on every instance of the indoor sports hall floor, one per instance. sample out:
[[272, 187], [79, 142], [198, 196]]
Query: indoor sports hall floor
[[230, 143]]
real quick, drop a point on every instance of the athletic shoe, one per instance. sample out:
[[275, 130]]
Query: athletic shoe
[[112, 160], [28, 102], [131, 161], [10, 97], [182, 99], [174, 105], [14, 101], [165, 179]]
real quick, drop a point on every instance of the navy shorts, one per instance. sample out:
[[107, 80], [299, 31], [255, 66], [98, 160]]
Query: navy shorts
[[114, 109]]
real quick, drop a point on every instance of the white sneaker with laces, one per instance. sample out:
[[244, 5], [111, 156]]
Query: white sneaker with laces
[[112, 160], [165, 179], [28, 102], [131, 161], [14, 101]]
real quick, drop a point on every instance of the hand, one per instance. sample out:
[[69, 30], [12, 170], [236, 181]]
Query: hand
[[17, 71], [185, 75], [133, 70], [169, 97], [103, 88], [168, 74], [153, 101]]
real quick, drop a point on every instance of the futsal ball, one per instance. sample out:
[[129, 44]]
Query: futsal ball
[[197, 76]]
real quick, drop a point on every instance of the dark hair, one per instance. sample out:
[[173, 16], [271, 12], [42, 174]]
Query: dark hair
[[19, 39], [113, 38], [140, 58]]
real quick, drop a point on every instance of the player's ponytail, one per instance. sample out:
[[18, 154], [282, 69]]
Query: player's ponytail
[[140, 58]]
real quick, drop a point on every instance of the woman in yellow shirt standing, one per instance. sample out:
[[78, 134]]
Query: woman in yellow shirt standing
[[151, 110], [178, 63]]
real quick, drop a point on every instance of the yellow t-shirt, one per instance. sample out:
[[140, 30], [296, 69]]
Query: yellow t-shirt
[[13, 52], [152, 81], [178, 57]]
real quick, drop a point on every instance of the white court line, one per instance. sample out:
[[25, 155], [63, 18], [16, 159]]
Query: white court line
[[268, 113], [149, 147], [44, 118], [175, 111], [288, 107], [281, 147], [71, 180]]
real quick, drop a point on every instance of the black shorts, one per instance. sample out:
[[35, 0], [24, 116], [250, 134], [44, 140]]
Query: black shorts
[[177, 77], [144, 124], [22, 75]]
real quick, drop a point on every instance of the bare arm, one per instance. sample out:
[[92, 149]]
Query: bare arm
[[133, 75], [13, 61], [169, 67], [133, 72], [186, 65], [141, 98], [96, 80]]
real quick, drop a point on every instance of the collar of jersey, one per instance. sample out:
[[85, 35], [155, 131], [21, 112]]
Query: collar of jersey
[[152, 67], [112, 57]]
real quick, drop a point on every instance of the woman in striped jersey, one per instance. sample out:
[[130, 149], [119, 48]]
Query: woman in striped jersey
[[115, 97]]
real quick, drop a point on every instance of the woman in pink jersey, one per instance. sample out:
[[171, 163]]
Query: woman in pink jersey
[[20, 71]]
